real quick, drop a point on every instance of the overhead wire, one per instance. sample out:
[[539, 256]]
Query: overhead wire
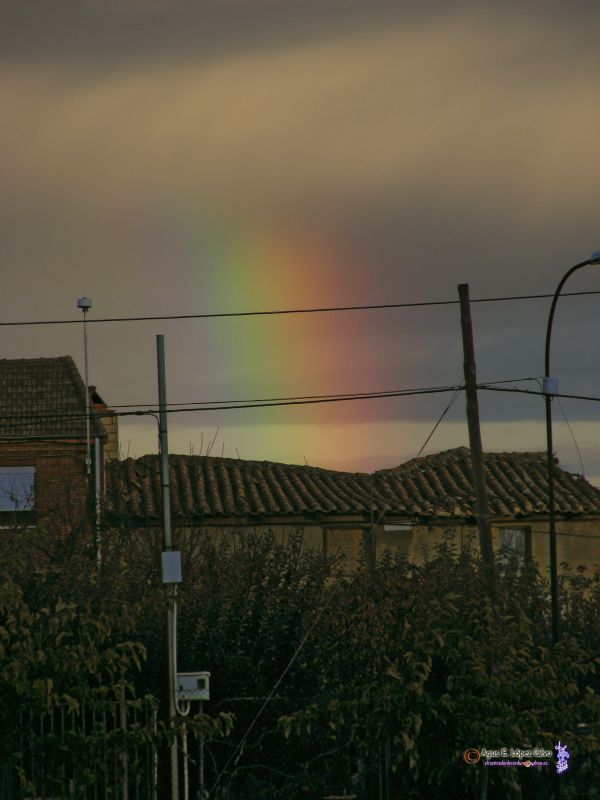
[[572, 436], [232, 406], [303, 396], [266, 403], [237, 753], [489, 388], [289, 311], [441, 417], [236, 405]]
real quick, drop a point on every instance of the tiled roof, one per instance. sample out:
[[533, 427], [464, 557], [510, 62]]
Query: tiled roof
[[438, 486], [517, 484], [206, 486], [43, 397]]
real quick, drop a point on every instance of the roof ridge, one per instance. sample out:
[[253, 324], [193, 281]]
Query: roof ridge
[[434, 487], [258, 462]]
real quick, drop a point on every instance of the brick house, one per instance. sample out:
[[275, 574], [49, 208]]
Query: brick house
[[43, 442], [403, 509]]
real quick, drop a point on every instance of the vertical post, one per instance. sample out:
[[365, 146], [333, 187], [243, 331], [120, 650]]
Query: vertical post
[[552, 521], [483, 509], [155, 754], [167, 545], [97, 482], [549, 388], [484, 785], [186, 776], [201, 761], [164, 443], [88, 457], [123, 756]]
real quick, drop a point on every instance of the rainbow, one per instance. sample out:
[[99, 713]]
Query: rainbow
[[219, 265], [256, 267]]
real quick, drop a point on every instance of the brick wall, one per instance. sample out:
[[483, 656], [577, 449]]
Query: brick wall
[[61, 491]]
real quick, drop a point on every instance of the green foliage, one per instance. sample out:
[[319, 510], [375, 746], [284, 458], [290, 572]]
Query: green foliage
[[414, 667], [404, 670], [372, 684]]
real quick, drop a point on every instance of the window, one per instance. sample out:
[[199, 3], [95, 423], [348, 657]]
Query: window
[[395, 538], [17, 488], [515, 542]]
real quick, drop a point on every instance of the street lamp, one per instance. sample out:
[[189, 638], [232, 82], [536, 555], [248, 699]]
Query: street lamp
[[84, 303], [550, 389]]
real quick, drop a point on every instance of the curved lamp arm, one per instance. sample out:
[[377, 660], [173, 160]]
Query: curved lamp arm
[[594, 259]]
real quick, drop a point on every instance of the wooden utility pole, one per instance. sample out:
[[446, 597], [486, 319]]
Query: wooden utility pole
[[483, 508]]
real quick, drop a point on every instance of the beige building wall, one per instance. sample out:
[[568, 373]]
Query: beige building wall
[[578, 540]]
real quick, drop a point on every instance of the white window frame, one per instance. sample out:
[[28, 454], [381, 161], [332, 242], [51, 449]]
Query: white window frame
[[509, 548]]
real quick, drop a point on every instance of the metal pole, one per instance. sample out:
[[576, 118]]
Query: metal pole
[[164, 443], [201, 761], [483, 508], [98, 506], [123, 756], [167, 545], [186, 777], [88, 457], [595, 259]]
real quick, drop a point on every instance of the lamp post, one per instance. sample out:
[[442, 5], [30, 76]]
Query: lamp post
[[550, 389], [84, 303]]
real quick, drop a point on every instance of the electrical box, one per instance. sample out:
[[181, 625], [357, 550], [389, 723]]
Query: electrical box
[[171, 566], [550, 385], [193, 686]]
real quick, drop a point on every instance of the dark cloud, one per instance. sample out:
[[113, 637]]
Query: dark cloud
[[110, 33], [433, 144]]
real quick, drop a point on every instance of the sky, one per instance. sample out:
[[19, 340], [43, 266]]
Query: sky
[[181, 158]]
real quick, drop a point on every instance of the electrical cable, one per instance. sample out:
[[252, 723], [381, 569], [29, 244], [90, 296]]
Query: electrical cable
[[299, 397], [290, 311], [487, 387], [572, 436], [237, 753], [563, 533], [268, 403], [227, 407], [443, 414]]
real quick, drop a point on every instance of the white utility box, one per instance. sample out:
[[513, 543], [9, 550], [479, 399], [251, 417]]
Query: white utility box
[[193, 686], [171, 566]]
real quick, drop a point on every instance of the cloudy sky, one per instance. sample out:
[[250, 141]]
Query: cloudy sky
[[172, 158]]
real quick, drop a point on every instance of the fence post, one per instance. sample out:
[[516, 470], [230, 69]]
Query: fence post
[[124, 756]]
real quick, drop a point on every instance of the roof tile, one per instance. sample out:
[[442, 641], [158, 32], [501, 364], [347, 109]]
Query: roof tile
[[43, 397], [433, 486]]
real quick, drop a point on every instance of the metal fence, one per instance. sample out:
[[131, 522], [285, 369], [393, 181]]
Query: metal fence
[[105, 750]]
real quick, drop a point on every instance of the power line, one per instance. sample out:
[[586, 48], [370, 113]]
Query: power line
[[235, 405], [441, 417], [570, 535], [255, 403], [290, 311], [489, 388], [572, 436], [302, 396], [237, 753]]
